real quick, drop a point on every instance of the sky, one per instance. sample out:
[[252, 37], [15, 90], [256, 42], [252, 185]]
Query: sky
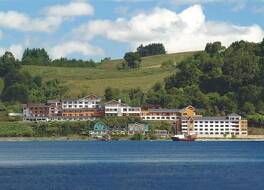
[[94, 29]]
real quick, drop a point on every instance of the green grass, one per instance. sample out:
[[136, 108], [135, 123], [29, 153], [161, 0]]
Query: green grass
[[15, 129], [95, 80]]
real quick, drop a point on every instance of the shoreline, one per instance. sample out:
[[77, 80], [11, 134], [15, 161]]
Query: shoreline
[[76, 138]]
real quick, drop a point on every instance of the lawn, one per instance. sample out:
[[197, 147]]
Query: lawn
[[95, 80]]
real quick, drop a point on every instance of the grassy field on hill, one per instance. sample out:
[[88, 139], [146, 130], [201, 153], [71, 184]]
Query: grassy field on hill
[[94, 80]]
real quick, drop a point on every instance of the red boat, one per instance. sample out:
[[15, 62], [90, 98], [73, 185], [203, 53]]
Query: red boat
[[183, 137]]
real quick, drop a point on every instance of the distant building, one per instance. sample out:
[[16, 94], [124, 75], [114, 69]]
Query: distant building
[[117, 130], [35, 112], [167, 114], [117, 108], [231, 124], [54, 108], [100, 130], [82, 114], [137, 128], [162, 133], [90, 101]]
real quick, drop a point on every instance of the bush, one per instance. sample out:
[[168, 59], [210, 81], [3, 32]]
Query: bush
[[13, 129], [137, 137]]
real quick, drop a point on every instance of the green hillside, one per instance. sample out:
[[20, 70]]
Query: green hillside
[[94, 80]]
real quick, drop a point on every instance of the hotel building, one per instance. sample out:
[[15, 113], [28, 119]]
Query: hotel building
[[166, 114], [117, 108], [231, 124], [91, 101]]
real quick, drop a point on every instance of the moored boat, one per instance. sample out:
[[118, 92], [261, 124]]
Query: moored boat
[[183, 137]]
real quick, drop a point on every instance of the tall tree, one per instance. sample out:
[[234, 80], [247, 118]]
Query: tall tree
[[132, 59]]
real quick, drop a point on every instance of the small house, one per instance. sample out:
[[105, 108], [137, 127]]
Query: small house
[[137, 128], [100, 129], [117, 130], [161, 133]]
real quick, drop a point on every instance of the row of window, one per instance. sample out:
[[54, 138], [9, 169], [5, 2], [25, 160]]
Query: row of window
[[211, 122], [124, 110], [75, 106], [157, 118], [80, 102], [184, 125], [219, 133]]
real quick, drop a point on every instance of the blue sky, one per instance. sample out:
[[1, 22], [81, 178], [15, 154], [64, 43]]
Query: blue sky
[[109, 28]]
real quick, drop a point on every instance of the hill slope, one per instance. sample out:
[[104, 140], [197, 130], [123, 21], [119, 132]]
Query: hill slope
[[94, 80]]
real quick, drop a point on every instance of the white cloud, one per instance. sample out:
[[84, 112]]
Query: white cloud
[[185, 31], [238, 5], [67, 48], [76, 8], [16, 49], [22, 22], [54, 17]]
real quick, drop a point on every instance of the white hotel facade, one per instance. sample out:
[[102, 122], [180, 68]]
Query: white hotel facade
[[117, 108], [91, 101], [232, 124]]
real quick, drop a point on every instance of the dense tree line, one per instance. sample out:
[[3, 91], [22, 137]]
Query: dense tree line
[[38, 56], [20, 86], [151, 49], [132, 60], [217, 81]]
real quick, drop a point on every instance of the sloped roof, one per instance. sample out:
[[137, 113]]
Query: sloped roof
[[164, 110], [115, 102], [234, 115]]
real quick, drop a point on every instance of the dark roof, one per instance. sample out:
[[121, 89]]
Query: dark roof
[[82, 109], [164, 110], [206, 118], [115, 102], [234, 115], [36, 105], [90, 97], [53, 101]]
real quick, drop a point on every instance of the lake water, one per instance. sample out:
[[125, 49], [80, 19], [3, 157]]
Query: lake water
[[131, 165]]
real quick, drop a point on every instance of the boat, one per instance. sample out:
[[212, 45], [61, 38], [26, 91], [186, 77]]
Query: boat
[[183, 137]]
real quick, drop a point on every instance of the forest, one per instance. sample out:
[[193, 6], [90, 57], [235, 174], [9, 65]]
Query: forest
[[216, 81]]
